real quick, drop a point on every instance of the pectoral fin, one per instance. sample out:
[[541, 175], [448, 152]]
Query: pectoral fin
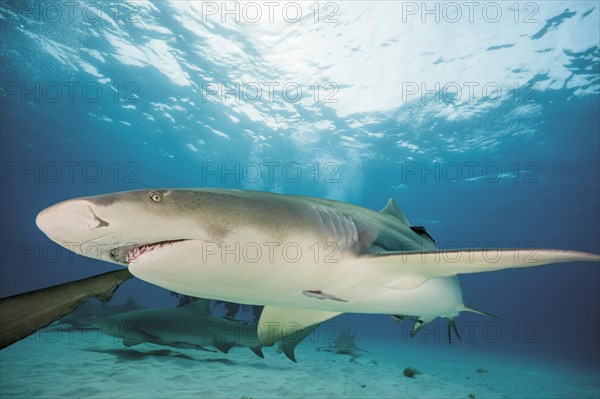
[[224, 346], [257, 351], [421, 266], [276, 322], [288, 343], [135, 337]]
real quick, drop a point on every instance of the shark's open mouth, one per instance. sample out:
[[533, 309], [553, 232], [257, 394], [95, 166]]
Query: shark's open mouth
[[127, 254]]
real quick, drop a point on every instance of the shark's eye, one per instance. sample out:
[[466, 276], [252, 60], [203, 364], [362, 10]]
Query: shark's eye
[[156, 196]]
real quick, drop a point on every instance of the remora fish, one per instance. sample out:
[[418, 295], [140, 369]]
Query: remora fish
[[306, 259]]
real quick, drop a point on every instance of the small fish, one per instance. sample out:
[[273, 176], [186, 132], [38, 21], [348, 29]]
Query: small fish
[[322, 295]]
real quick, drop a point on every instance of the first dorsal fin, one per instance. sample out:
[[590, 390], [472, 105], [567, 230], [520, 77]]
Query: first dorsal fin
[[394, 210], [132, 304], [418, 267]]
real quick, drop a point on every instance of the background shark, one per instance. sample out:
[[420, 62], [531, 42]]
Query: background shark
[[92, 309], [345, 344], [190, 326], [306, 259]]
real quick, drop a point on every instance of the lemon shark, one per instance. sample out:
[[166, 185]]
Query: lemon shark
[[190, 327], [305, 259], [345, 344], [93, 309]]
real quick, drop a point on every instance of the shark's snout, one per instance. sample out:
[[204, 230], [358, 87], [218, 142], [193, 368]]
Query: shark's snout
[[69, 221]]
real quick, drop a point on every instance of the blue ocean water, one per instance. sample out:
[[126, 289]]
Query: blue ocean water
[[482, 123]]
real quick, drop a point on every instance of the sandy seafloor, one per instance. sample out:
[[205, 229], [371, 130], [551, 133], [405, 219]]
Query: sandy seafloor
[[103, 368]]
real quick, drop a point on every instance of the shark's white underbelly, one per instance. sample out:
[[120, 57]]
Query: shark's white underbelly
[[265, 273]]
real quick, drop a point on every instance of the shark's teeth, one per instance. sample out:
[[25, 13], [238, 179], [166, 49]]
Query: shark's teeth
[[133, 252]]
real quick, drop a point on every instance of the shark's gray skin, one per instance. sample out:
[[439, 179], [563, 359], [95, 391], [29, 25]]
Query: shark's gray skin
[[189, 326], [22, 315], [345, 344], [306, 259], [92, 309]]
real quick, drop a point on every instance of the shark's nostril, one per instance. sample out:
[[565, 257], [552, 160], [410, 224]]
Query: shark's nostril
[[71, 221], [101, 222]]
